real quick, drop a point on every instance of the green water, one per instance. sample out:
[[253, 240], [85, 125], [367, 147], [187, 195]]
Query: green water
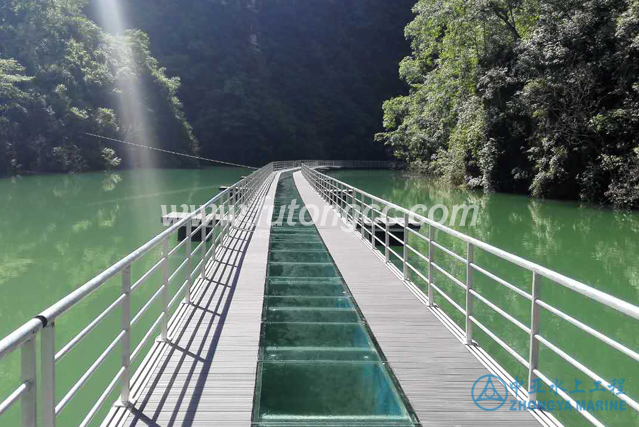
[[59, 231], [318, 362], [597, 246]]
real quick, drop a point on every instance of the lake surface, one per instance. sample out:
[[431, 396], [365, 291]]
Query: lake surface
[[594, 245], [57, 232]]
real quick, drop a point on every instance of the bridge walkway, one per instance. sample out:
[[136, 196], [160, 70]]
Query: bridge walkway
[[206, 375]]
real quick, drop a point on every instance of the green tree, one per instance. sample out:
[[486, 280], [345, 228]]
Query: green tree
[[534, 96], [72, 88]]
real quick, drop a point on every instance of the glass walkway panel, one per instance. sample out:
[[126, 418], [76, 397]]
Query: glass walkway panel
[[319, 364]]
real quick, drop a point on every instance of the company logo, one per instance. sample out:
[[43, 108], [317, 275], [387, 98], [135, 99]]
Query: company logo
[[489, 393]]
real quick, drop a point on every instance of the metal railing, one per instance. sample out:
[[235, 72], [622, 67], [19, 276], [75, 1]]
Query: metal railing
[[373, 215], [225, 209]]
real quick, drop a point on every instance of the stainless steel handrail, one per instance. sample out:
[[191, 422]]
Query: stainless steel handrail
[[337, 195]]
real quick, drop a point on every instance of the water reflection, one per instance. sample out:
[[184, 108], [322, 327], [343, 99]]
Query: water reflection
[[110, 181]]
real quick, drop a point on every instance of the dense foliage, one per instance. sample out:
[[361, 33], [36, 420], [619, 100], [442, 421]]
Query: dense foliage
[[62, 76], [523, 95]]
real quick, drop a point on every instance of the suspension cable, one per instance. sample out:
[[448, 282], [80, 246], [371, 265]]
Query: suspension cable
[[169, 152]]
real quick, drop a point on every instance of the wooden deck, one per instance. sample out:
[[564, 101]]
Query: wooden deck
[[435, 369], [206, 375]]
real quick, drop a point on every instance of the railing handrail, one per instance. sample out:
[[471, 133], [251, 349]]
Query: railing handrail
[[586, 290], [59, 308]]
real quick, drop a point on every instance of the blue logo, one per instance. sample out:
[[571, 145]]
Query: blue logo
[[489, 393]]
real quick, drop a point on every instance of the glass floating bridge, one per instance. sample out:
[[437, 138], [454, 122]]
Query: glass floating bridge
[[294, 299]]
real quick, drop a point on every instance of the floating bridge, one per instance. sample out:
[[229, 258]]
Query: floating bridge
[[330, 322]]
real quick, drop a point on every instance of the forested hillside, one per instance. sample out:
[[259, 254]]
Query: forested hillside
[[538, 96], [62, 76], [247, 81]]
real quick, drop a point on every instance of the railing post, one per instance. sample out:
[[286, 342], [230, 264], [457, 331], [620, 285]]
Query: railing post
[[327, 193], [164, 334], [47, 372], [405, 257], [534, 330], [333, 194], [203, 250], [372, 225], [361, 217], [189, 268], [125, 390], [387, 239], [214, 233], [28, 374], [352, 195], [469, 298], [322, 184], [231, 211], [431, 237]]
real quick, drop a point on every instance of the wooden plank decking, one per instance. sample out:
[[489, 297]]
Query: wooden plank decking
[[435, 370], [205, 376]]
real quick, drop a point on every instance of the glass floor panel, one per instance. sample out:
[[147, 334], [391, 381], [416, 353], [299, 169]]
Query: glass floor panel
[[304, 289], [319, 302], [353, 394], [317, 309], [296, 238], [314, 354], [285, 280], [300, 256], [294, 231], [349, 335], [306, 314], [292, 246], [319, 365], [302, 269]]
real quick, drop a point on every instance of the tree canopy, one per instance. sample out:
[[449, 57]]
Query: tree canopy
[[536, 96], [59, 80]]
